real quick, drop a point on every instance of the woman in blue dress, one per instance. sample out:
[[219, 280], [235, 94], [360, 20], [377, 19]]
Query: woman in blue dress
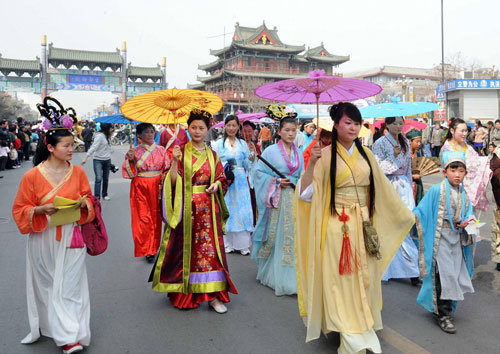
[[234, 151], [274, 236], [392, 152]]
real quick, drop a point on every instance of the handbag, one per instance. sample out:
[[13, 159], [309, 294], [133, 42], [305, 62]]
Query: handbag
[[13, 154], [94, 233], [370, 236]]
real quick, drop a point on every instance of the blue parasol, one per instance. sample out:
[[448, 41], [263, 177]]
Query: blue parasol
[[116, 119], [397, 109]]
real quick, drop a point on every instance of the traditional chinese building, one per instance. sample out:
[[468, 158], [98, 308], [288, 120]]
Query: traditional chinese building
[[257, 56]]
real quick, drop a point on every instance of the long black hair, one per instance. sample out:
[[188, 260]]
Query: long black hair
[[401, 139], [228, 119], [337, 111], [454, 122], [52, 137]]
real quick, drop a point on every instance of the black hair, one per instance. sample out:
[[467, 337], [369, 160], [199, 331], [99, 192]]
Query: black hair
[[142, 127], [52, 137], [287, 120], [106, 130], [337, 111], [497, 121], [248, 123], [401, 139], [456, 164], [199, 115], [479, 124], [490, 122], [228, 119], [453, 125]]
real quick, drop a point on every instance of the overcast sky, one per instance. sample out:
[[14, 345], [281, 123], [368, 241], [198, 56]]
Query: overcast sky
[[373, 33]]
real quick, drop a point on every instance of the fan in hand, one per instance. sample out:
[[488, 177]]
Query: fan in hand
[[424, 166]]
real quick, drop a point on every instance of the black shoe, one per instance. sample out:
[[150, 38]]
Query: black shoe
[[446, 324], [498, 267], [150, 258]]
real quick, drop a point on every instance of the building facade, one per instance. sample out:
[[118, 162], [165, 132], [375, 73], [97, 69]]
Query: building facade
[[411, 84], [257, 56]]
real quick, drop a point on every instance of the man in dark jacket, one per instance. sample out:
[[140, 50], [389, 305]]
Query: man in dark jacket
[[87, 135]]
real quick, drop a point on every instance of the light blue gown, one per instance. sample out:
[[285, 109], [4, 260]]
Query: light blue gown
[[274, 235], [240, 222], [398, 170]]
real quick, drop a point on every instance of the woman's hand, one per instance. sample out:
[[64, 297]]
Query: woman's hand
[[130, 155], [214, 187], [84, 160], [48, 209], [315, 153], [176, 154], [285, 182], [397, 150]]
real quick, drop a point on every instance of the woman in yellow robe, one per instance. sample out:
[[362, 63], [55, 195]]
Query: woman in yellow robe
[[349, 303]]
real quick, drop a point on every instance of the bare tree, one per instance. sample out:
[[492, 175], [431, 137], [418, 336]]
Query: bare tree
[[11, 108]]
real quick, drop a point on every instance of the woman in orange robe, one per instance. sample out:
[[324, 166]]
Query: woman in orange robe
[[57, 287], [144, 165]]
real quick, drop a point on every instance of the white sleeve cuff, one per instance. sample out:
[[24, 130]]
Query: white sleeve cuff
[[307, 194]]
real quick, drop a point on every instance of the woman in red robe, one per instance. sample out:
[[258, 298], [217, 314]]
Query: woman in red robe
[[144, 165], [190, 266]]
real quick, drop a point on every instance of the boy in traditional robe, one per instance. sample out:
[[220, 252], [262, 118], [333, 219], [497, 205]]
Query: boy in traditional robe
[[446, 249]]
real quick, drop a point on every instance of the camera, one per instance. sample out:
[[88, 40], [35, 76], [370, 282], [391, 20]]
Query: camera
[[113, 168]]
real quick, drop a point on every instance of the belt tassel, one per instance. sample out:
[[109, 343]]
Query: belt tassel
[[346, 265]]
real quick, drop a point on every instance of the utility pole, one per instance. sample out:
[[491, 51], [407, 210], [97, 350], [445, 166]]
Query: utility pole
[[442, 44]]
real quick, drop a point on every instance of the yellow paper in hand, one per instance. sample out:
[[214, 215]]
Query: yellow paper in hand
[[68, 211]]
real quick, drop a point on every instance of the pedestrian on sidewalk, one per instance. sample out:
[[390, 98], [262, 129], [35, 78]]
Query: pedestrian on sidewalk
[[57, 286], [191, 265], [101, 150], [445, 247]]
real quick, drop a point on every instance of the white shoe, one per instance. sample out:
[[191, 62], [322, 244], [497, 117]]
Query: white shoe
[[218, 306], [106, 198], [245, 252], [229, 250]]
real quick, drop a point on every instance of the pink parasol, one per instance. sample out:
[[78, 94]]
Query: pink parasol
[[253, 117], [317, 88], [409, 124]]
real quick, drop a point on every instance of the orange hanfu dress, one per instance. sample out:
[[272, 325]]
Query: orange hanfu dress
[[56, 277], [150, 161], [191, 264]]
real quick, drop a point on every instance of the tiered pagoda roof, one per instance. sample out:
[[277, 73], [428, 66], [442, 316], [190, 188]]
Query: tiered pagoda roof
[[322, 55], [19, 67]]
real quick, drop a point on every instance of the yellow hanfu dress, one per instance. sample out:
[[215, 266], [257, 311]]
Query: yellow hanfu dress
[[351, 303]]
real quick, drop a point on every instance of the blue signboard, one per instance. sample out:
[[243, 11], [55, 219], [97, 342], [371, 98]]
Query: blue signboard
[[466, 84], [85, 79], [86, 87]]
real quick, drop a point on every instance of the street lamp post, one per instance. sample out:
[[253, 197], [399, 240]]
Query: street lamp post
[[239, 97], [404, 85]]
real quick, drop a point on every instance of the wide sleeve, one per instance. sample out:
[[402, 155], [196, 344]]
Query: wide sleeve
[[87, 214], [129, 171], [220, 177], [385, 158], [23, 210], [245, 155]]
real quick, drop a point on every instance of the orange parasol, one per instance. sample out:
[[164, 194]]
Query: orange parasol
[[170, 106]]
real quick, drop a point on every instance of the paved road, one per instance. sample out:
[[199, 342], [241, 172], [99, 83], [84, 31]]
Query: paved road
[[128, 317]]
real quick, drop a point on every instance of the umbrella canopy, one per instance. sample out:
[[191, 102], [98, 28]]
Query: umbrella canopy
[[115, 119], [397, 109], [266, 120], [253, 117], [170, 106], [409, 124], [317, 88]]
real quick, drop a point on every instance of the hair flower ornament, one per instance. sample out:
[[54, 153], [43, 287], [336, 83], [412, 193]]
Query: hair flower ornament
[[56, 117]]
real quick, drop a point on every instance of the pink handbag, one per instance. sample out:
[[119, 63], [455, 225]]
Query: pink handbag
[[94, 233]]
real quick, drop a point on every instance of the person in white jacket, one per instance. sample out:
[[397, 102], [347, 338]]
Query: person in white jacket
[[101, 149]]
